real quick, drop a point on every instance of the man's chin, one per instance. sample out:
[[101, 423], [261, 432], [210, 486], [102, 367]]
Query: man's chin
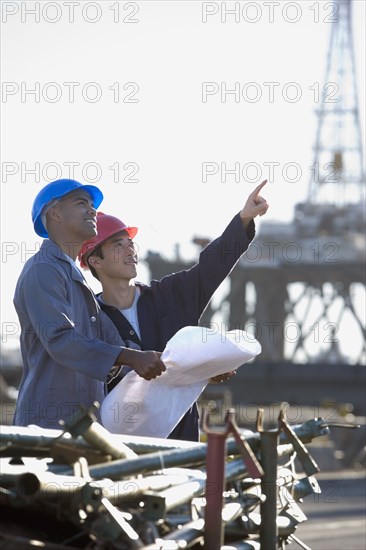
[[90, 232]]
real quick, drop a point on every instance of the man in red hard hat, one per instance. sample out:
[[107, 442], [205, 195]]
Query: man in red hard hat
[[70, 348], [147, 316]]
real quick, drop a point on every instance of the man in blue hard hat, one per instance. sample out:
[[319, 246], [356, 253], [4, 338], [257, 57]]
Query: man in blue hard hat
[[70, 348]]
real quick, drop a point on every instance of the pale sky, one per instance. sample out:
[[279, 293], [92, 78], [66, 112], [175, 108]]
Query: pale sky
[[131, 96]]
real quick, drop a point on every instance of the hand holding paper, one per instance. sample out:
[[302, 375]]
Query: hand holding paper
[[192, 357]]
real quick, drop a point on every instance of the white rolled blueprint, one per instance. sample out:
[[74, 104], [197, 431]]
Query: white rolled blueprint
[[192, 356]]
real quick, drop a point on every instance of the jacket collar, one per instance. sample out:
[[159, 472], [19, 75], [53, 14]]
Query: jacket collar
[[143, 287], [51, 252]]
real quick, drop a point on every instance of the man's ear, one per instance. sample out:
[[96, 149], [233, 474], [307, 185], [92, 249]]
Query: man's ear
[[53, 213], [94, 261]]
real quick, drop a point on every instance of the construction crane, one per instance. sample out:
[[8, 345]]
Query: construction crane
[[338, 153]]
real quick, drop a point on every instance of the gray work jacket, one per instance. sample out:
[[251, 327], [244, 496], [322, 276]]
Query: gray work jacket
[[68, 344]]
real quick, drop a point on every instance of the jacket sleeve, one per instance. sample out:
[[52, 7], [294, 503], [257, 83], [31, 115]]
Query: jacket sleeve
[[192, 289], [46, 303]]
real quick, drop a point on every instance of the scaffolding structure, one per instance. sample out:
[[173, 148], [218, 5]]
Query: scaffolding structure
[[313, 305]]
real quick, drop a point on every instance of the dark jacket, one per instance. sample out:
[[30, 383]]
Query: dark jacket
[[179, 299]]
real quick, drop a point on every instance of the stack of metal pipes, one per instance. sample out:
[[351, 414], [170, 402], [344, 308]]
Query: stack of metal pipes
[[83, 487]]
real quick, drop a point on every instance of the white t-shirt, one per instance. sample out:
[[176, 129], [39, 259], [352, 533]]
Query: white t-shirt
[[131, 312]]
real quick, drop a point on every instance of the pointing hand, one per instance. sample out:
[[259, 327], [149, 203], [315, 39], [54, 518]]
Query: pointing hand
[[255, 204]]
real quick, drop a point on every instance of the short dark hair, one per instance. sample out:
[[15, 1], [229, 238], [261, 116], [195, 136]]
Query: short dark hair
[[96, 252]]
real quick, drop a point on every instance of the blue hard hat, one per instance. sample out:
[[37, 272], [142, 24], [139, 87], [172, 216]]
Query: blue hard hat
[[56, 190]]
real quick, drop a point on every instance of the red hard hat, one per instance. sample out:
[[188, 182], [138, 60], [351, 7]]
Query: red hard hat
[[107, 226]]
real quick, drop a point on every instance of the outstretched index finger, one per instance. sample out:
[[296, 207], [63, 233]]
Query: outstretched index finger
[[257, 190]]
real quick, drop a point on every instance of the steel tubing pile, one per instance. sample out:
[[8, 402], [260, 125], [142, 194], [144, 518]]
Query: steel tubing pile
[[81, 487]]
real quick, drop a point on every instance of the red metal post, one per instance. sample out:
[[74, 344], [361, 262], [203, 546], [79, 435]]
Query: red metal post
[[215, 468], [215, 472]]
